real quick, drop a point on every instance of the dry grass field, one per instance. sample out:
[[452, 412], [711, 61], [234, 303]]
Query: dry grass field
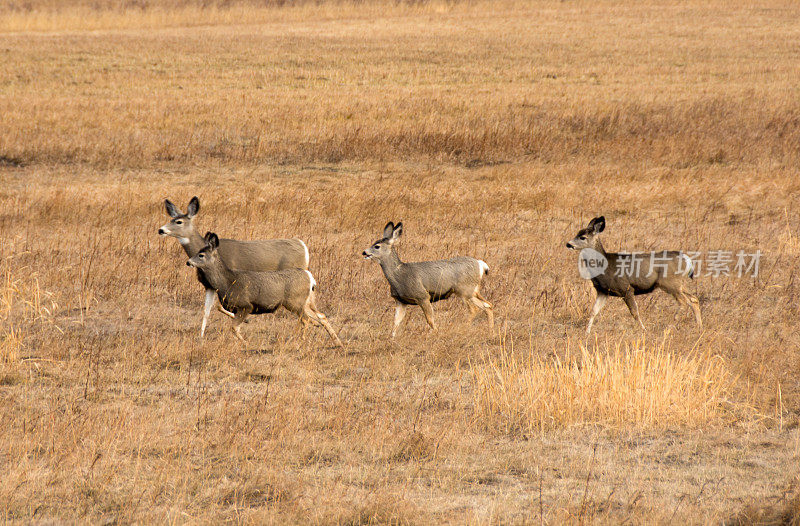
[[494, 129]]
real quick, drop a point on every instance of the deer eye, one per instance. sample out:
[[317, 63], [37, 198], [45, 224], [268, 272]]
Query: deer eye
[[201, 256], [377, 247], [583, 238], [178, 222]]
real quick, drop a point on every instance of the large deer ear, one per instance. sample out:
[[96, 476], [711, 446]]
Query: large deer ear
[[387, 230], [398, 231], [172, 210], [212, 240], [193, 208], [598, 224]]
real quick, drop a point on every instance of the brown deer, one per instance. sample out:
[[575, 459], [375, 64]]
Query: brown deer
[[629, 275], [427, 282], [267, 254], [246, 292]]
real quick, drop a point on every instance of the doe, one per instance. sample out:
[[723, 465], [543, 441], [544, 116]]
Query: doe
[[629, 275], [246, 292], [427, 282], [262, 255]]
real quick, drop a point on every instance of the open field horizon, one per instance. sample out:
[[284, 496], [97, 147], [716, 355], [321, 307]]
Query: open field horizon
[[678, 85], [491, 129]]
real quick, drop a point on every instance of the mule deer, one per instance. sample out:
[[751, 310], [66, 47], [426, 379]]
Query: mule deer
[[246, 292], [427, 282], [268, 254], [629, 275]]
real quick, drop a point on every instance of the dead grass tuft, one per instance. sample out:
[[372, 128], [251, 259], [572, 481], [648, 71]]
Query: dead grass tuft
[[632, 385], [254, 494], [414, 447], [380, 509], [786, 512], [9, 378]]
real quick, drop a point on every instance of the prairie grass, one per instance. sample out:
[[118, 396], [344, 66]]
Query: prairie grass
[[786, 511], [473, 84], [50, 16], [289, 431], [23, 306], [22, 297], [492, 129], [10, 345], [642, 385]]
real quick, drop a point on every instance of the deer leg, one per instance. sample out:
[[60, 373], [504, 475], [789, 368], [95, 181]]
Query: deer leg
[[304, 321], [599, 303], [678, 298], [481, 304], [694, 303], [211, 296], [473, 309], [240, 317], [427, 310], [486, 306], [684, 298], [630, 301], [676, 292], [399, 316], [311, 311], [681, 303], [225, 312]]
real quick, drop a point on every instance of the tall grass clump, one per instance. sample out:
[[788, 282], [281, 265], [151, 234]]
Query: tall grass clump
[[23, 304], [626, 385]]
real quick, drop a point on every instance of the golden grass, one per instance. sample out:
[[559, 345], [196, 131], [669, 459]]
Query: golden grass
[[22, 304], [22, 296], [473, 84], [50, 16], [286, 431], [784, 512], [10, 345], [491, 129], [635, 384]]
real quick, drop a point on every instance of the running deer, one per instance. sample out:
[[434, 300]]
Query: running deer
[[246, 292], [427, 282], [629, 275], [268, 254]]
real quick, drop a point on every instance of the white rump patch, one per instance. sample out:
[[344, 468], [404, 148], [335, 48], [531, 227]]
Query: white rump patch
[[313, 281], [689, 264], [305, 248], [483, 266]]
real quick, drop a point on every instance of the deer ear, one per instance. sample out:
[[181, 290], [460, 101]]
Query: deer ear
[[388, 229], [207, 237], [398, 230], [212, 240], [194, 207], [598, 224], [172, 210]]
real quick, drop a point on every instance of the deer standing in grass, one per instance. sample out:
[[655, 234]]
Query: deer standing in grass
[[246, 292], [427, 282], [262, 255], [629, 275]]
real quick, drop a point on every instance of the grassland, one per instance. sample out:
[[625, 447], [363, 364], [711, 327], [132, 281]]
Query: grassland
[[494, 129]]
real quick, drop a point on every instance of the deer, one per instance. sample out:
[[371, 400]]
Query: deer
[[246, 292], [427, 282], [629, 275], [262, 255]]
